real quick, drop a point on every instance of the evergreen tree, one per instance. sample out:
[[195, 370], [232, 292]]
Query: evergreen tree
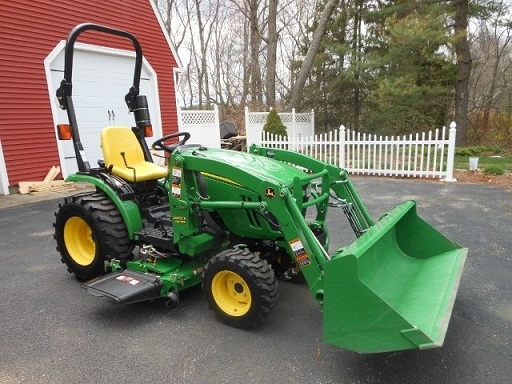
[[383, 67], [274, 124], [414, 73]]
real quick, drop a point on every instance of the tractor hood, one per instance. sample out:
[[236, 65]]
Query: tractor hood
[[262, 168]]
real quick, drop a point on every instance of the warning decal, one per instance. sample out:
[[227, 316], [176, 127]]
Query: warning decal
[[176, 182], [300, 253], [128, 279]]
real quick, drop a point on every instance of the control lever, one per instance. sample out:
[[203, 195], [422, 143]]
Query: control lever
[[127, 166]]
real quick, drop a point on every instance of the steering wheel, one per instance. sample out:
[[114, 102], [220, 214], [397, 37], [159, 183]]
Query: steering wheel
[[159, 144]]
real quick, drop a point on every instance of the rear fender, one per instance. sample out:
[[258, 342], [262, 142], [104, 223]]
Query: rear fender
[[128, 208]]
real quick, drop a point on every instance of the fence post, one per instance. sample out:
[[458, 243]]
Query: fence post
[[451, 152], [216, 112], [293, 147], [180, 119], [294, 128], [312, 133], [248, 135], [341, 162]]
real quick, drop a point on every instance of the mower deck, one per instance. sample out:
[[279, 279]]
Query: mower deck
[[125, 287]]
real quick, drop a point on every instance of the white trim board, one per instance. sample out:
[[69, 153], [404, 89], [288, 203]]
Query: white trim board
[[4, 179]]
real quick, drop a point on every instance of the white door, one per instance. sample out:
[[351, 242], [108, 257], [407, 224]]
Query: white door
[[101, 79]]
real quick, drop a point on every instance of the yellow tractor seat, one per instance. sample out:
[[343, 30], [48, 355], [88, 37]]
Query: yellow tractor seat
[[123, 156]]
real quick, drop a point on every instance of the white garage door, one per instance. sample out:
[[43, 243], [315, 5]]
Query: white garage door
[[101, 78]]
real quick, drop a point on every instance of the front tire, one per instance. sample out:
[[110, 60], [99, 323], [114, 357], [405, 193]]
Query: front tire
[[89, 230], [240, 287]]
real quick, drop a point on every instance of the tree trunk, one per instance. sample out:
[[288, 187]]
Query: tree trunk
[[271, 53], [203, 71], [356, 62], [246, 74], [297, 90], [463, 53], [255, 42]]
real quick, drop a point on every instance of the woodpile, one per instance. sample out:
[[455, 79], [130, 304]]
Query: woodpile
[[236, 143], [49, 184]]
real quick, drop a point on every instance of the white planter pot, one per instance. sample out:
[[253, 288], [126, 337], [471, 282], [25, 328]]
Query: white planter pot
[[473, 163]]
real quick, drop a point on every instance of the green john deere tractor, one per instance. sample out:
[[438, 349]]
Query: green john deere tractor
[[234, 222]]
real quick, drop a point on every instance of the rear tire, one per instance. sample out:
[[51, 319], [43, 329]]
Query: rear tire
[[89, 230], [240, 288]]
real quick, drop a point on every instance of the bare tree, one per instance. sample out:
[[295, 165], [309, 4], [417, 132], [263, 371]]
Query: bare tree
[[254, 47], [490, 78], [271, 53], [298, 88], [294, 16], [237, 51], [175, 20]]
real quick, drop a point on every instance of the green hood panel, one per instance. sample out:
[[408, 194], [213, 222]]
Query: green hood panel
[[261, 167]]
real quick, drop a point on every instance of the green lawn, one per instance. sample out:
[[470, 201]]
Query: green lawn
[[505, 162]]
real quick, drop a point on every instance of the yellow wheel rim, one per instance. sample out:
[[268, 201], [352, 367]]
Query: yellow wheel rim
[[79, 241], [231, 293]]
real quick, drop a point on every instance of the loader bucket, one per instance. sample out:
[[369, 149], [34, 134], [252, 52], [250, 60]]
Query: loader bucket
[[394, 287]]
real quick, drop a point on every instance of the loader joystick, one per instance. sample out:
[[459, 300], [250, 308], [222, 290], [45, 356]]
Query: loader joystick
[[159, 144]]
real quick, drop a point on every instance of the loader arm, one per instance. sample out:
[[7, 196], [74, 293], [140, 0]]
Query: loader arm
[[393, 288]]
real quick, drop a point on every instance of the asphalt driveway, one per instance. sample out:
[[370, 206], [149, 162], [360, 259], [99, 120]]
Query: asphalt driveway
[[52, 331]]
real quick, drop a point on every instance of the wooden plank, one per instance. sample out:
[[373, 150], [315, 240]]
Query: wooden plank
[[52, 174], [51, 187], [25, 186], [56, 173], [48, 176]]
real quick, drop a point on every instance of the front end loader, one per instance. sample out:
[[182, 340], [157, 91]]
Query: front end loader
[[235, 222]]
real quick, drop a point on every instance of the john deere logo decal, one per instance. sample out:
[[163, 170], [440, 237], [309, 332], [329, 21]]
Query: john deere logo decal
[[270, 193]]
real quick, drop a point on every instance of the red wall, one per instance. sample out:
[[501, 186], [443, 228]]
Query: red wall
[[29, 30]]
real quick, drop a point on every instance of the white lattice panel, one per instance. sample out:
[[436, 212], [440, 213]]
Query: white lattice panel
[[198, 117], [258, 118], [286, 118], [203, 127], [303, 117]]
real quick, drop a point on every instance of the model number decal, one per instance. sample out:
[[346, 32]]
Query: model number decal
[[179, 219]]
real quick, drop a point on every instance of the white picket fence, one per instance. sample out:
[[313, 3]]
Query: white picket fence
[[421, 155]]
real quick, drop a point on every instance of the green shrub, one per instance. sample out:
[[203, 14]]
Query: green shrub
[[495, 150], [478, 150], [274, 124], [494, 170], [470, 151]]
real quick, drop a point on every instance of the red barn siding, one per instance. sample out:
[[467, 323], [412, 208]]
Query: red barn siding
[[29, 30]]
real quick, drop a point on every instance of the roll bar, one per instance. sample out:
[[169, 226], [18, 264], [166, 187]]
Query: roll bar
[[65, 91]]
